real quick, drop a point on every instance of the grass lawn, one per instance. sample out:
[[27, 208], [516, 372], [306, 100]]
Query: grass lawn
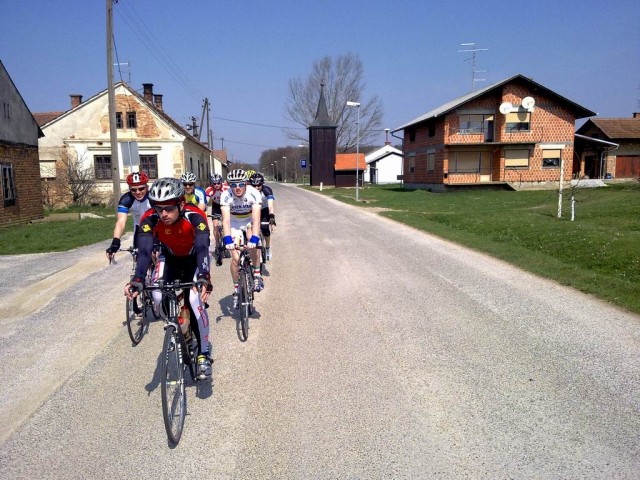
[[57, 236], [598, 253]]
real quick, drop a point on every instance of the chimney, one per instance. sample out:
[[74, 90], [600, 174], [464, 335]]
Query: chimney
[[157, 101], [147, 90], [75, 100], [386, 136], [636, 114]]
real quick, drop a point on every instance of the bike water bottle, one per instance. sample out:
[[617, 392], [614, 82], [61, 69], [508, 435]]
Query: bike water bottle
[[184, 319]]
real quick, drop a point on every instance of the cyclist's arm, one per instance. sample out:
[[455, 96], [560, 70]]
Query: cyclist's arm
[[226, 220], [255, 219], [145, 248], [121, 223], [270, 204]]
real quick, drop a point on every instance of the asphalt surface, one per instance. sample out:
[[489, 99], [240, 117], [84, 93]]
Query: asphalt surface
[[376, 352]]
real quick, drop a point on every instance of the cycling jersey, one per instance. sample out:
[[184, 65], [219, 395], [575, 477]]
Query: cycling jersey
[[267, 194], [198, 196], [138, 207], [214, 194], [189, 235], [240, 207]]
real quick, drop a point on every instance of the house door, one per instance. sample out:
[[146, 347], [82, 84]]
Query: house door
[[485, 167], [374, 176], [591, 167]]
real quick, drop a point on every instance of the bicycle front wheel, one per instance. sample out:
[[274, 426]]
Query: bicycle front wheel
[[174, 398], [135, 319], [244, 299]]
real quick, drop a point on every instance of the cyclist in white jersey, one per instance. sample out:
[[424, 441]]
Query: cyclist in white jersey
[[136, 201], [240, 206], [215, 190]]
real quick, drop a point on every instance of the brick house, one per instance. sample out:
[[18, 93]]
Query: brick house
[[20, 200], [515, 132], [608, 148], [164, 147]]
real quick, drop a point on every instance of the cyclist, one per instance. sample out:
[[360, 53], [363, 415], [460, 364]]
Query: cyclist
[[192, 194], [135, 200], [240, 206], [267, 213], [184, 236], [214, 192]]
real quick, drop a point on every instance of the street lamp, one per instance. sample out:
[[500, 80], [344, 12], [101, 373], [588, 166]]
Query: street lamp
[[273, 172], [275, 175], [357, 105], [285, 169], [298, 167]]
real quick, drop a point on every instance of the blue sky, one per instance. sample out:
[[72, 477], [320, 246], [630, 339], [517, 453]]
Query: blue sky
[[242, 54]]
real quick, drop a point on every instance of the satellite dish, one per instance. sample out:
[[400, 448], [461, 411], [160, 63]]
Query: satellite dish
[[528, 103], [505, 108]]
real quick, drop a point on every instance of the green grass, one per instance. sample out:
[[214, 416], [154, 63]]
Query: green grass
[[598, 253], [58, 236]]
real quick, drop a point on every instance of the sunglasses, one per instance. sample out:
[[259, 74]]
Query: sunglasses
[[188, 184], [238, 185], [139, 189], [165, 208]]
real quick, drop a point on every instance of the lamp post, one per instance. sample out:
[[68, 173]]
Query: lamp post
[[273, 172], [275, 175], [298, 166], [285, 169], [357, 105]]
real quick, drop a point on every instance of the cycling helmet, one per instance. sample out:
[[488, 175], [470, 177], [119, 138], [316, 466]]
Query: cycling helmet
[[237, 175], [250, 173], [188, 177], [166, 190], [257, 179], [216, 178], [137, 178]]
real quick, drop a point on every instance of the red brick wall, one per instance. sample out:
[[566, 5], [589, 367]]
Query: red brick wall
[[550, 123], [26, 172]]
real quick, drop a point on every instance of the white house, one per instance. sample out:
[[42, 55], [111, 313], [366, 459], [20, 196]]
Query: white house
[[165, 148], [384, 165]]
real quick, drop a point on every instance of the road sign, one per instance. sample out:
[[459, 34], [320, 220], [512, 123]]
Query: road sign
[[303, 163]]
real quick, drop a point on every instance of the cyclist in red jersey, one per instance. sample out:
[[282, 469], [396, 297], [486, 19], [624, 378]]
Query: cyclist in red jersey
[[184, 236]]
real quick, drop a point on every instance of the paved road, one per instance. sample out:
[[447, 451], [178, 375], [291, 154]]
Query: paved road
[[378, 352]]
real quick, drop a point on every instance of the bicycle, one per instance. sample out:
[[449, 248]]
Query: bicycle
[[245, 291], [179, 353], [220, 251], [136, 310]]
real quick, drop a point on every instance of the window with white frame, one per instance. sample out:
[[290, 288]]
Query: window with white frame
[[102, 167], [8, 185], [412, 162], [473, 123], [516, 158], [465, 162]]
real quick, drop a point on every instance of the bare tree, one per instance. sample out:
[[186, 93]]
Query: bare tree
[[343, 80]]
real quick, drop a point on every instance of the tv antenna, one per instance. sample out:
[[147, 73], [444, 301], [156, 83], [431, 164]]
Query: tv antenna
[[474, 50]]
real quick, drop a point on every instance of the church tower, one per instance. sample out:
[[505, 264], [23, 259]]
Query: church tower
[[322, 145]]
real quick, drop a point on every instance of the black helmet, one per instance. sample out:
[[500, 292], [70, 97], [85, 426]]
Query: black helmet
[[257, 179]]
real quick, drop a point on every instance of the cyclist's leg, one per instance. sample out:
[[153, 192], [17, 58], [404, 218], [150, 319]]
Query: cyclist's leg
[[159, 272], [266, 230]]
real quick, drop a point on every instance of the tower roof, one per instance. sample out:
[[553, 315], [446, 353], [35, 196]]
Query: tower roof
[[322, 115]]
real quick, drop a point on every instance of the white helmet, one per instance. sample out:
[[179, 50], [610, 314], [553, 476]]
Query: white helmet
[[165, 190], [237, 175], [188, 177]]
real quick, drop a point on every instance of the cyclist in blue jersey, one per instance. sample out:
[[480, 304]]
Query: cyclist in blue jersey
[[193, 195], [267, 214], [136, 201]]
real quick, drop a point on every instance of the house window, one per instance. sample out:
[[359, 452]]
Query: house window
[[551, 158], [118, 119], [102, 166], [473, 123], [431, 162], [131, 120], [465, 162], [516, 158], [149, 165], [412, 134], [8, 185], [432, 129], [7, 110], [412, 162], [518, 122]]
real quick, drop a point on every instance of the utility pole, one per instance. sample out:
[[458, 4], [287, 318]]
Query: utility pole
[[113, 134], [473, 63]]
